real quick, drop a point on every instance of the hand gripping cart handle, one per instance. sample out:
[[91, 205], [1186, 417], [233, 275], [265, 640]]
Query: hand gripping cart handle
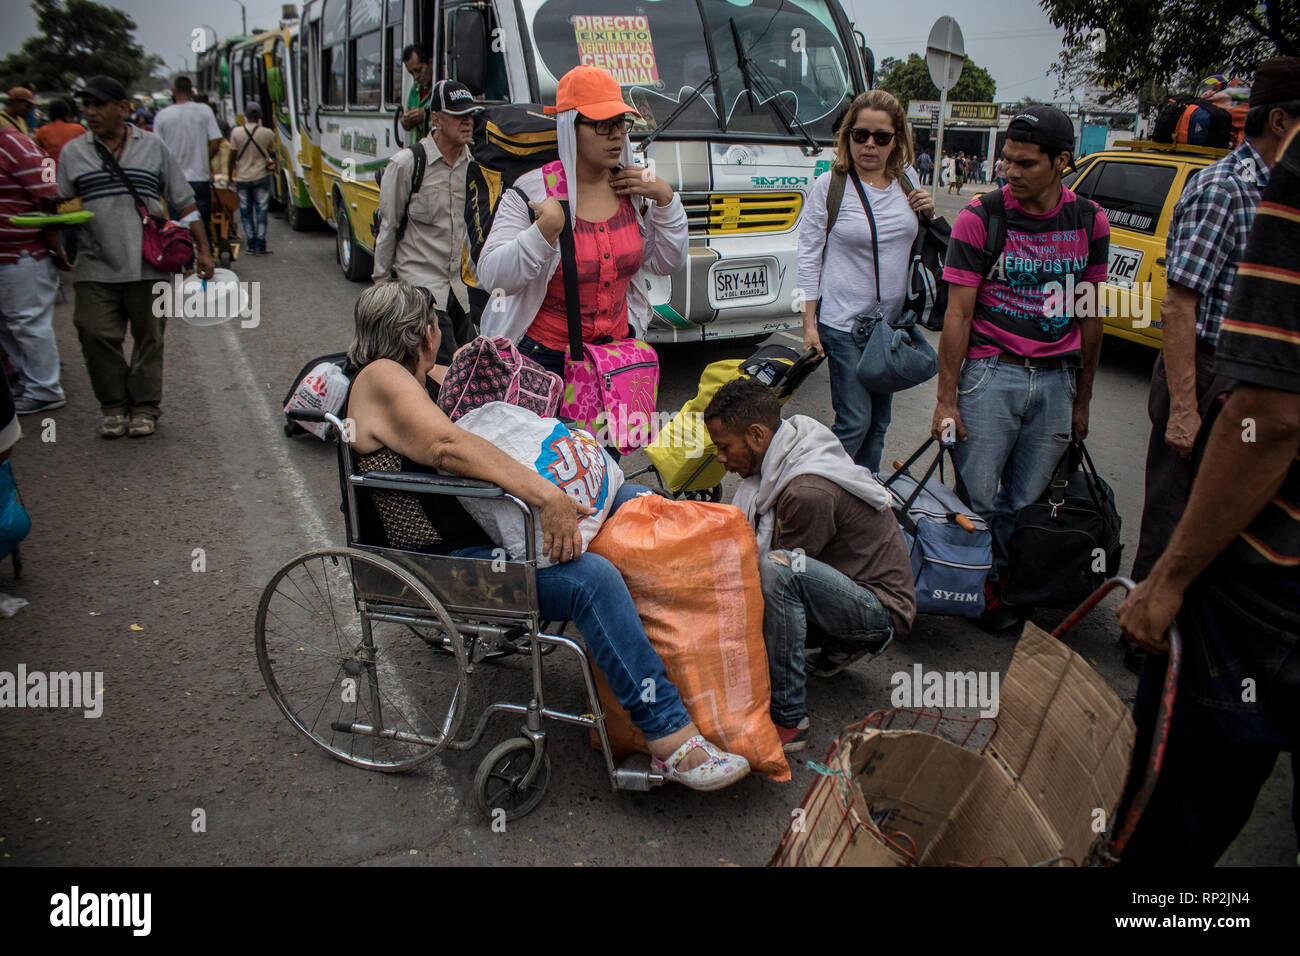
[[1123, 831]]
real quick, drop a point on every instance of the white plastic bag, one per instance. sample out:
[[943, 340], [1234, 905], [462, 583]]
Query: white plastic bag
[[324, 387], [570, 459]]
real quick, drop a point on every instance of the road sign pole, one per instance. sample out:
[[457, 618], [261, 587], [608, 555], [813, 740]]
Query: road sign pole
[[938, 143], [945, 52]]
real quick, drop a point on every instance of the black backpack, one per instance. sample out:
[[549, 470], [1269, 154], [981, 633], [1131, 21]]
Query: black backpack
[[1189, 119], [1066, 543], [417, 180], [509, 140]]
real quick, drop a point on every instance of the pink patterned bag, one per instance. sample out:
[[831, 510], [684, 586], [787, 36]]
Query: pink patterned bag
[[610, 390], [493, 370]]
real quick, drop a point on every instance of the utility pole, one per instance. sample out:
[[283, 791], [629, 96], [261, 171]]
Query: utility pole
[[243, 12]]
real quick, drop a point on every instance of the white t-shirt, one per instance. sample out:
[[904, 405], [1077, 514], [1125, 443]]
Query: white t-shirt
[[846, 280], [185, 129]]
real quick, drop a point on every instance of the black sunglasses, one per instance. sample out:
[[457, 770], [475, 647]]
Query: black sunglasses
[[606, 126], [861, 134]]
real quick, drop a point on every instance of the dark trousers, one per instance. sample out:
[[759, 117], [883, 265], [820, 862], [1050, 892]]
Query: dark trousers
[[1223, 739], [203, 200], [102, 314], [1168, 477], [457, 329]]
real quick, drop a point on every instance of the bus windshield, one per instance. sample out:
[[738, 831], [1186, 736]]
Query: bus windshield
[[657, 50]]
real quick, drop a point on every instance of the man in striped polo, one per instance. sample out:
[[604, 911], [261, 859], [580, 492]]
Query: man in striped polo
[[1230, 575], [114, 284]]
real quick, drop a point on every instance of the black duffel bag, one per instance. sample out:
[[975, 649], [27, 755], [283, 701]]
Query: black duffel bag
[[1067, 543]]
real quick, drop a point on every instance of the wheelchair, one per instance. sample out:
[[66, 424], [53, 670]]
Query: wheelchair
[[368, 650]]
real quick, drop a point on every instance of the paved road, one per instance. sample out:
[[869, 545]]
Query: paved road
[[187, 724]]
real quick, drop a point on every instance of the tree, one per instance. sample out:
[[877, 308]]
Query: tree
[[1142, 48], [910, 80], [78, 38]]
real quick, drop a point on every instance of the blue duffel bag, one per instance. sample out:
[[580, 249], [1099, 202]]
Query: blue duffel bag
[[950, 545]]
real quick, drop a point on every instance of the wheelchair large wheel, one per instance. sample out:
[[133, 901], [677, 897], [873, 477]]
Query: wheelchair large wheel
[[335, 645], [498, 784]]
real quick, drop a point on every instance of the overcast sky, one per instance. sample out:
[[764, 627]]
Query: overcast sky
[[1012, 39]]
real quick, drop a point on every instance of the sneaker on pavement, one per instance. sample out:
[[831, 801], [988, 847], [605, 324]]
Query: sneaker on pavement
[[141, 425], [793, 738], [837, 655], [113, 426], [998, 615], [30, 406]]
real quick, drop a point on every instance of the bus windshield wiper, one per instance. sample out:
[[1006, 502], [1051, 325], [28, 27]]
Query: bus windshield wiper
[[754, 78], [682, 107]]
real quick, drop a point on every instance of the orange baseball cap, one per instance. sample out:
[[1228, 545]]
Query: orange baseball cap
[[591, 91]]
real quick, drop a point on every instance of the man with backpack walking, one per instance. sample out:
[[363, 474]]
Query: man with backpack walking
[[252, 166], [1016, 363], [421, 231]]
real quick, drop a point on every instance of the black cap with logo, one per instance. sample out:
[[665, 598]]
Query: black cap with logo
[[1046, 126], [454, 98]]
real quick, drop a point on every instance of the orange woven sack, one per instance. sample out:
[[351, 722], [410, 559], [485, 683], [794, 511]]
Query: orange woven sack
[[692, 570]]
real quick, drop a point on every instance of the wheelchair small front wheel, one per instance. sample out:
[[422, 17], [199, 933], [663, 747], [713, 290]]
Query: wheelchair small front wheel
[[498, 785], [340, 661]]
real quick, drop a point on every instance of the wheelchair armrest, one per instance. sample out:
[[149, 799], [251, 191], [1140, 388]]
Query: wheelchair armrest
[[419, 482]]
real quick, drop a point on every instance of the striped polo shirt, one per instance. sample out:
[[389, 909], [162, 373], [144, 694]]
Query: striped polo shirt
[[111, 244], [25, 179], [1259, 344]]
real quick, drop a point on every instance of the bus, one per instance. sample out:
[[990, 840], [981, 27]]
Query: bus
[[263, 69], [739, 102], [213, 76]]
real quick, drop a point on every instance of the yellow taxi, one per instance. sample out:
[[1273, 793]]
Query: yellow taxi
[[1138, 184]]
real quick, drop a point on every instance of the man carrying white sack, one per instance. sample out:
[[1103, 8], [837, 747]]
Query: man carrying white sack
[[830, 554]]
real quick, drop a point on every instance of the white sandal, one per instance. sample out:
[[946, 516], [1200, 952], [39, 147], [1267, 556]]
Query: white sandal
[[721, 769]]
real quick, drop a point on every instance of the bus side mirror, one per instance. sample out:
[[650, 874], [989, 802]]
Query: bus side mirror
[[469, 47]]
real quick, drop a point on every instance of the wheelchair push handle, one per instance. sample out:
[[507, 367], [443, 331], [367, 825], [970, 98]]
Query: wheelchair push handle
[[316, 415]]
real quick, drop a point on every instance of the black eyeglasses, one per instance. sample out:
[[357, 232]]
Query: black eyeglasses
[[861, 134], [606, 126]]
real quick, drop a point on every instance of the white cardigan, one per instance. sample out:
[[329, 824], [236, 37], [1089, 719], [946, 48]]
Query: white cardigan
[[518, 261]]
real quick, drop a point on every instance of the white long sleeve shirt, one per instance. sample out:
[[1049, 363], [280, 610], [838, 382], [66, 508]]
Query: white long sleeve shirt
[[846, 280], [518, 261]]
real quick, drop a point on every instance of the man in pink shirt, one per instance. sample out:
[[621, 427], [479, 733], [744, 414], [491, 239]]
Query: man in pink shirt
[[1017, 358], [28, 276]]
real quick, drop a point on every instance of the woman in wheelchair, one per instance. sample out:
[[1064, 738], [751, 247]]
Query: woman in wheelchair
[[398, 427]]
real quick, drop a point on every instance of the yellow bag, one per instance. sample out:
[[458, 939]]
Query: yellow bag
[[692, 570], [683, 445]]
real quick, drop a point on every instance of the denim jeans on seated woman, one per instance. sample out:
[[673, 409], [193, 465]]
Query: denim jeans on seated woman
[[861, 417], [590, 592]]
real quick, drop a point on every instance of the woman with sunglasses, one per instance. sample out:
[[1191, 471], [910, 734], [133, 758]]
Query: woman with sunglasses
[[837, 272], [615, 244]]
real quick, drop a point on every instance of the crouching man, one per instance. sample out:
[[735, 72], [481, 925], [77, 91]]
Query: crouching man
[[831, 557]]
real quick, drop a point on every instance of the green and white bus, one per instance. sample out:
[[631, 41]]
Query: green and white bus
[[740, 102]]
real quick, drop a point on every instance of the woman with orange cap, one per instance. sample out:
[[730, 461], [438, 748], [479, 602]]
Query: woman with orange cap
[[614, 245]]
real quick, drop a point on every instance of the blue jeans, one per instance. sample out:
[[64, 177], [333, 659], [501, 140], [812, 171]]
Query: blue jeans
[[1017, 428], [591, 593], [254, 200], [550, 359], [1221, 747], [861, 417], [27, 289], [798, 590]]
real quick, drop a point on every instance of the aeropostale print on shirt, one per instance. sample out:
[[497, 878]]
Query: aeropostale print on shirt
[[1063, 247]]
